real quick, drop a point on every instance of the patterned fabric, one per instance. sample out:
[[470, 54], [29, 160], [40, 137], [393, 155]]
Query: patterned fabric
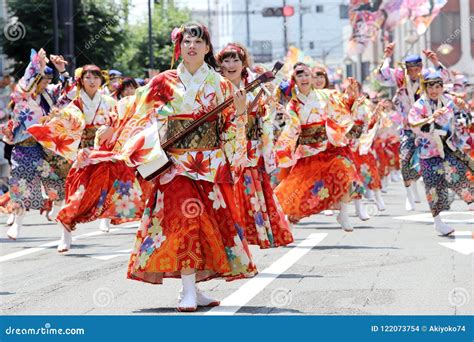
[[322, 107], [30, 170], [30, 107], [382, 158], [440, 175], [408, 152], [88, 137], [312, 134], [317, 183], [189, 224], [191, 220], [258, 131], [63, 132], [204, 137], [407, 91], [29, 173], [104, 190], [392, 151], [264, 221], [429, 143], [368, 171]]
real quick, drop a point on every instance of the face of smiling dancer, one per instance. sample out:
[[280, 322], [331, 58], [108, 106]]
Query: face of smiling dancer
[[303, 79], [434, 90], [193, 50], [91, 83], [232, 69], [319, 81]]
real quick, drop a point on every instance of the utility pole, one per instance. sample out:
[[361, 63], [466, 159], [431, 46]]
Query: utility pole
[[55, 27], [301, 24], [247, 18], [285, 33], [209, 25], [150, 37], [66, 25]]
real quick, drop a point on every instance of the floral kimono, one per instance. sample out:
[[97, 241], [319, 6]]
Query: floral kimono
[[30, 169], [264, 220], [407, 93], [387, 141], [71, 135], [363, 113], [440, 168], [191, 220], [315, 145]]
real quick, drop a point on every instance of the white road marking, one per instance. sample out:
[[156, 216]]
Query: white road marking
[[447, 216], [231, 304], [463, 243], [42, 247], [110, 256]]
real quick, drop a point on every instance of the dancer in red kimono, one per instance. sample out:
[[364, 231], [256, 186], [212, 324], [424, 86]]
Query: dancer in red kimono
[[315, 145], [264, 220]]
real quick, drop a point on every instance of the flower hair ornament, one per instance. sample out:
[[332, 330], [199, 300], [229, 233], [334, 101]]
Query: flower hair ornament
[[176, 38]]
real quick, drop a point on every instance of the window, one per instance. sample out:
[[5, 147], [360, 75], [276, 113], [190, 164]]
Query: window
[[262, 51], [319, 8], [344, 12], [365, 70], [446, 28]]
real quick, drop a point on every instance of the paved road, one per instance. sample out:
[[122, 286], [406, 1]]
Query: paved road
[[393, 264]]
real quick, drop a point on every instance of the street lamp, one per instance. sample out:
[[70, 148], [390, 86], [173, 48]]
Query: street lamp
[[445, 49], [348, 61]]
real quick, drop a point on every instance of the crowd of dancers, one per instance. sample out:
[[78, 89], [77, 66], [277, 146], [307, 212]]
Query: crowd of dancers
[[100, 146]]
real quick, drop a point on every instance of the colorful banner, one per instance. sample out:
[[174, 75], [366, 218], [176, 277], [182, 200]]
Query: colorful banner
[[423, 12], [367, 17], [366, 25]]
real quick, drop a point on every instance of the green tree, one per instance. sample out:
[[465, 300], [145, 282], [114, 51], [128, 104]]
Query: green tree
[[135, 59], [99, 33]]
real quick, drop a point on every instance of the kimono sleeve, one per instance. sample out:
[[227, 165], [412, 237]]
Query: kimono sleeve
[[417, 114], [386, 75], [62, 131], [233, 135], [32, 74], [287, 142], [267, 113]]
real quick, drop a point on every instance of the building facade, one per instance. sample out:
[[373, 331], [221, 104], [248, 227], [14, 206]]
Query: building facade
[[316, 26]]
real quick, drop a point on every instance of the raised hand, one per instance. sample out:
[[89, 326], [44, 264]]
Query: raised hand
[[432, 57], [59, 62], [240, 102], [388, 51], [43, 60]]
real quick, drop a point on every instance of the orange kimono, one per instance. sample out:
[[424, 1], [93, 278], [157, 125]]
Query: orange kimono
[[315, 144]]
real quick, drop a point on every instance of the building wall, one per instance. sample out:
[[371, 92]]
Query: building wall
[[3, 18], [454, 25], [322, 32]]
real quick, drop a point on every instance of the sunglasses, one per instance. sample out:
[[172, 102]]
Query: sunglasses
[[319, 73]]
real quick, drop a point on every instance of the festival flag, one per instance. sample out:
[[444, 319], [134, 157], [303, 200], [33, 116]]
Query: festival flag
[[423, 12]]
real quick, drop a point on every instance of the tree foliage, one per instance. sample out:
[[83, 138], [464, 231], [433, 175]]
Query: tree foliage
[[99, 32], [136, 59], [102, 34]]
